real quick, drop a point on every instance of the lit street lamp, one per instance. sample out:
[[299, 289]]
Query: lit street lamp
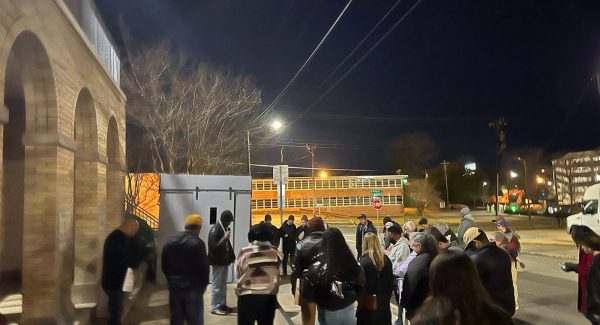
[[323, 174], [513, 174], [276, 125]]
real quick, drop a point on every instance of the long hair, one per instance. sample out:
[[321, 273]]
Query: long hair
[[457, 295], [371, 247], [339, 257]]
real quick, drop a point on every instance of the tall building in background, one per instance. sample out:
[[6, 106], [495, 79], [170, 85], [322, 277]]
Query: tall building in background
[[336, 196], [573, 173]]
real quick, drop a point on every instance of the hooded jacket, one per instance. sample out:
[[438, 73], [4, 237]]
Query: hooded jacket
[[398, 252], [306, 254], [465, 223], [220, 251]]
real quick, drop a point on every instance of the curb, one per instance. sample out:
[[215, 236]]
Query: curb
[[571, 258]]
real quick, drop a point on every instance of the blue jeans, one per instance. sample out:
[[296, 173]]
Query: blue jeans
[[186, 305], [115, 306], [219, 287], [345, 316]]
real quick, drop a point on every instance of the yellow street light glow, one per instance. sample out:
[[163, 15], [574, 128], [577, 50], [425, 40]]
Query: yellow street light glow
[[540, 180], [484, 183], [323, 174], [513, 174]]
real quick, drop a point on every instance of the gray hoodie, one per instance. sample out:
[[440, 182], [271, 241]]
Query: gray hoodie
[[467, 222]]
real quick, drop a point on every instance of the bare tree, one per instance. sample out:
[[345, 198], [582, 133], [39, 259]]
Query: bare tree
[[192, 117], [141, 190], [423, 194], [412, 152]]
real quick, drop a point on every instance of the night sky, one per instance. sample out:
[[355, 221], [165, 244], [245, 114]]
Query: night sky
[[448, 69]]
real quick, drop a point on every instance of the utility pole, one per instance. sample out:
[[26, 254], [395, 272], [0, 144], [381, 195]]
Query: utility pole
[[527, 201], [498, 125], [311, 150], [249, 165], [281, 153], [445, 163]]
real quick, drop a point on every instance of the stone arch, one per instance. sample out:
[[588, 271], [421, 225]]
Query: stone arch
[[87, 196], [115, 176], [30, 100]]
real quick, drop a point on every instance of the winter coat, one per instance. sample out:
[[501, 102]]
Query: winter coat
[[361, 230], [455, 247], [415, 287], [583, 268], [379, 283], [302, 230], [398, 252], [184, 262], [514, 246], [494, 266], [306, 254], [288, 237], [318, 286], [467, 222], [592, 292], [118, 255], [220, 251]]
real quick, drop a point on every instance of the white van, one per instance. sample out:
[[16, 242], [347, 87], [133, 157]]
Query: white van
[[589, 213]]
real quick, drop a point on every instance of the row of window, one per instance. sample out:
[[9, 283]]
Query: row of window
[[306, 184], [325, 202]]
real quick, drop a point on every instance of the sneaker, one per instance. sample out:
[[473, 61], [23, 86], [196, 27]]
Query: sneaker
[[219, 312], [226, 309]]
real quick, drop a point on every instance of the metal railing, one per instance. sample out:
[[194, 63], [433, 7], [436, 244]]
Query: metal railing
[[141, 213]]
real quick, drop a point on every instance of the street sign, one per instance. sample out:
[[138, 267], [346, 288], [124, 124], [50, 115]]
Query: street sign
[[377, 204], [280, 174], [376, 192]]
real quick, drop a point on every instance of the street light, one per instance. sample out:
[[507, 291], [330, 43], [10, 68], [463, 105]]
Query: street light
[[275, 125], [539, 179], [323, 174], [513, 174]]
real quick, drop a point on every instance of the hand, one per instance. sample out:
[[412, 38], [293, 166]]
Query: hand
[[227, 234], [522, 265], [286, 236], [569, 267]]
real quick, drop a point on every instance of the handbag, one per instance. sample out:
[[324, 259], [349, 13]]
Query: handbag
[[367, 302]]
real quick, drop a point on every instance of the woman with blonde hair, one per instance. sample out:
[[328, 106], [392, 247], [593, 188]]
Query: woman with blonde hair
[[374, 303]]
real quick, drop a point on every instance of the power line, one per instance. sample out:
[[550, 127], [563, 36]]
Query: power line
[[285, 89], [360, 43], [357, 63], [341, 117]]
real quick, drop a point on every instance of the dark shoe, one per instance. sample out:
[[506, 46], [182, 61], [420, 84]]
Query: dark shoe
[[219, 312], [226, 309]]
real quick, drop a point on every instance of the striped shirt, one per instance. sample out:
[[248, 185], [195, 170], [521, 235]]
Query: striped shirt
[[257, 270]]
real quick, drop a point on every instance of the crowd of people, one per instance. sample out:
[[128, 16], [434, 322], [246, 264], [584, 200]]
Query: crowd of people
[[434, 275]]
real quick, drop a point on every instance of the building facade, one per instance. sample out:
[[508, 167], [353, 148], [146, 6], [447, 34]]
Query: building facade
[[573, 173], [332, 197], [62, 158]]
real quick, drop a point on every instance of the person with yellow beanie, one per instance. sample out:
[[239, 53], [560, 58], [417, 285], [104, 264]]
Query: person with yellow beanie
[[185, 264]]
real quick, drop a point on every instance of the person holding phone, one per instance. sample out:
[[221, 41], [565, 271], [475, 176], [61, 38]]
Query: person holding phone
[[220, 256]]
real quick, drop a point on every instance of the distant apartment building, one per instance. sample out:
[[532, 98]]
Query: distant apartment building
[[334, 196], [573, 173]]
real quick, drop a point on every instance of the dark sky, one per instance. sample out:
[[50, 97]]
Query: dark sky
[[450, 67]]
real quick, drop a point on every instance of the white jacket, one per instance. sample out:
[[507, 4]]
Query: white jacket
[[398, 252]]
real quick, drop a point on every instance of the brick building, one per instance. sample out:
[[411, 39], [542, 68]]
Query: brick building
[[573, 173], [335, 196], [62, 128]]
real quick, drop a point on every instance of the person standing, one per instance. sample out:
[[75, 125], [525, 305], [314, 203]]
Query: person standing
[[582, 268], [257, 270], [457, 295], [220, 256], [185, 265], [415, 286], [118, 256], [288, 238], [466, 222], [513, 248], [589, 241], [302, 231], [399, 248], [335, 281], [364, 226], [493, 264], [274, 231], [423, 224], [378, 286], [305, 256]]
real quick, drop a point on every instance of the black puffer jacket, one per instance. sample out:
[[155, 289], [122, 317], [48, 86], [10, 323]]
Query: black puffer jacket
[[332, 292], [306, 254], [494, 267], [184, 261], [592, 292]]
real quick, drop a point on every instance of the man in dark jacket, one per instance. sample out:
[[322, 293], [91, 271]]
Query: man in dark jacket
[[306, 254], [274, 231], [220, 256], [119, 254], [185, 264], [415, 286], [364, 226], [288, 238], [303, 231], [493, 265]]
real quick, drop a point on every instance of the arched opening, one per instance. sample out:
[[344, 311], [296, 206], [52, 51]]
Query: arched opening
[[28, 95], [86, 215], [115, 178]]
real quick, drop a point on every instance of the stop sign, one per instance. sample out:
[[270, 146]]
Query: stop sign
[[377, 204]]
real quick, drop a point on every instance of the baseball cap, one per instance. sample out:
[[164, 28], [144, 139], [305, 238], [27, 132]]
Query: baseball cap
[[362, 215]]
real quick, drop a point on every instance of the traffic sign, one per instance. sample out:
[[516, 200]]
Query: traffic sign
[[377, 204], [376, 192], [280, 174]]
